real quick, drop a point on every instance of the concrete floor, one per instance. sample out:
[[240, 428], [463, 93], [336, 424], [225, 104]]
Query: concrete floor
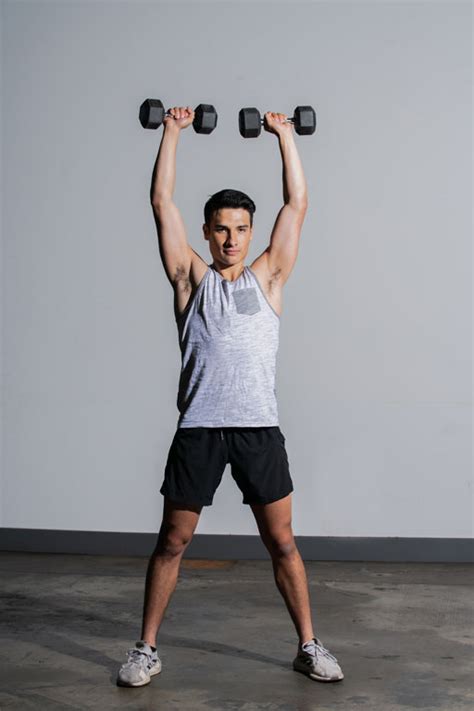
[[403, 634]]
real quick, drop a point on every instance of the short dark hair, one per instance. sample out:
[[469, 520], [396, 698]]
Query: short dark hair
[[228, 198]]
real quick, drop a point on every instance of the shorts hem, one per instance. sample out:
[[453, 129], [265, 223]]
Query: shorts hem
[[267, 501], [179, 500]]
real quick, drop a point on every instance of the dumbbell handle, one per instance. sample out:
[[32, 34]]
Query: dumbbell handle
[[287, 120], [167, 113]]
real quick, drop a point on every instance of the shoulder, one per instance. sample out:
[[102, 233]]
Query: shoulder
[[268, 274], [187, 283], [198, 269], [269, 281]]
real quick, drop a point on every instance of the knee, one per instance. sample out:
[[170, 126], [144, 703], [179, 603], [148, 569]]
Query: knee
[[282, 546], [172, 542]]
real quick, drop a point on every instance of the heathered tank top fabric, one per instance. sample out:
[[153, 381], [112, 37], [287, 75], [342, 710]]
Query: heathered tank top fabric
[[228, 337]]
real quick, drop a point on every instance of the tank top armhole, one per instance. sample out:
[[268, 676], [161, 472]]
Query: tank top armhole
[[193, 298], [255, 277]]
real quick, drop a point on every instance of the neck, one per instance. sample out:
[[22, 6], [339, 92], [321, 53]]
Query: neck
[[230, 273]]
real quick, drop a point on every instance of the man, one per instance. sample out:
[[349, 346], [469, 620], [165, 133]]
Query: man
[[228, 318]]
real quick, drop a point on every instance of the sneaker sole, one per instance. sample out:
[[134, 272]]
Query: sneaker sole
[[139, 683], [316, 677]]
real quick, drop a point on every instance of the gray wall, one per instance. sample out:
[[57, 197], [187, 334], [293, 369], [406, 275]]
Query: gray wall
[[375, 351]]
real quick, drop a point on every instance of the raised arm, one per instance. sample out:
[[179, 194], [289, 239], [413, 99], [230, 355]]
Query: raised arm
[[281, 253], [175, 250]]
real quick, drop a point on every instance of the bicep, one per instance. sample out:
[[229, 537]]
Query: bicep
[[175, 250], [284, 240]]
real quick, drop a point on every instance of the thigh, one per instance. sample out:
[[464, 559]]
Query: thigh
[[196, 461], [177, 526], [180, 518], [259, 464], [274, 520]]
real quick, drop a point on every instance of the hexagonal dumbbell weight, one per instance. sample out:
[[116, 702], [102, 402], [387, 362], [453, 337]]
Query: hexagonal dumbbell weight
[[152, 114], [251, 122]]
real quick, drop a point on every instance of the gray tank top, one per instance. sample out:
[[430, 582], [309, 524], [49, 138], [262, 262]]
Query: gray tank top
[[228, 337]]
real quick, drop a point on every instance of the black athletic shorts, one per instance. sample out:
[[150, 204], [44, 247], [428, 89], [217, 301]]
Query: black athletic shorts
[[198, 456]]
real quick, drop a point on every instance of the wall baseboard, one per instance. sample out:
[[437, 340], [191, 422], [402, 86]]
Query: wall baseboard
[[228, 547]]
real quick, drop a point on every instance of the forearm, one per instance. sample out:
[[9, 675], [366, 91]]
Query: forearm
[[294, 182], [164, 172]]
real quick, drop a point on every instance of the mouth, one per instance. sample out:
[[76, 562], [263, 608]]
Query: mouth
[[231, 251]]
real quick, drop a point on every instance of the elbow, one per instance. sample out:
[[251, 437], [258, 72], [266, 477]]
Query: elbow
[[299, 203], [161, 201]]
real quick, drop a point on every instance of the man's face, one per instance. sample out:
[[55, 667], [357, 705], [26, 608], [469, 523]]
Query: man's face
[[229, 234]]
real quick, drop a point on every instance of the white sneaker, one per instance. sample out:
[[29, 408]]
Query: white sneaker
[[143, 662], [317, 662]]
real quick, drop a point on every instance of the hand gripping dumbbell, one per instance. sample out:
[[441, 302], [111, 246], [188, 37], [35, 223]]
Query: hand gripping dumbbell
[[152, 114], [251, 122]]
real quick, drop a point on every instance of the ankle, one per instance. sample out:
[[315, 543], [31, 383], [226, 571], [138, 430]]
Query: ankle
[[151, 642]]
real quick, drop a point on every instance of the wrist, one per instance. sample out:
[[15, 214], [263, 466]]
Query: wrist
[[286, 137], [171, 128]]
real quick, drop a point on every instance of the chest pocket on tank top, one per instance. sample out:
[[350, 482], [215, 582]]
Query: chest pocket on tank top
[[246, 301]]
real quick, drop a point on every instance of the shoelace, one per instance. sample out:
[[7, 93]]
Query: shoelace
[[320, 649], [136, 655]]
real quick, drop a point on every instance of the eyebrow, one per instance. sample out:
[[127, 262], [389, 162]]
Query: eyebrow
[[218, 225]]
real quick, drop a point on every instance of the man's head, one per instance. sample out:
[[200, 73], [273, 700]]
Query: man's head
[[228, 224]]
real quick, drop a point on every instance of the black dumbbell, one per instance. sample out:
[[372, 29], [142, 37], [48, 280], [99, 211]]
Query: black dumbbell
[[251, 122], [152, 114]]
